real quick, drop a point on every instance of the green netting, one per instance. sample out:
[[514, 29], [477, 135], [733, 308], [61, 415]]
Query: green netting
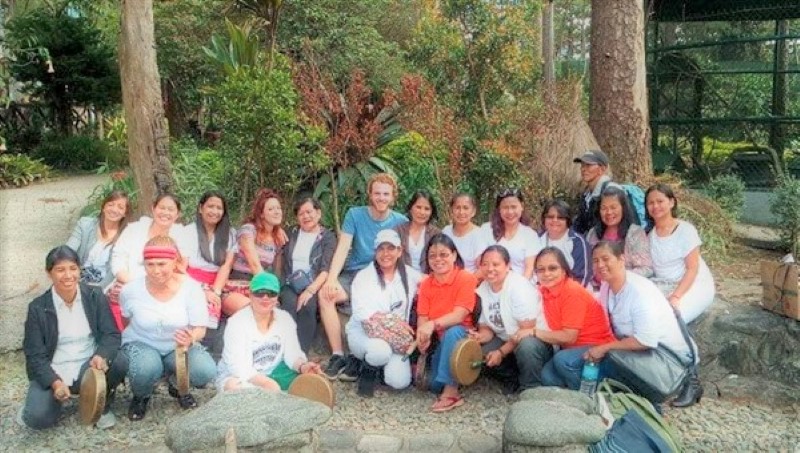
[[723, 10]]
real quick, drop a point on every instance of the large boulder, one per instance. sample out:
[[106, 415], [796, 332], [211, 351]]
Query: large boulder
[[542, 425], [558, 395], [270, 420]]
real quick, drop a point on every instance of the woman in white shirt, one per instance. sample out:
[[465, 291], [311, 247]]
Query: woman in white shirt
[[641, 318], [510, 228], [387, 287], [261, 346], [415, 234], [464, 233], [511, 311], [680, 270]]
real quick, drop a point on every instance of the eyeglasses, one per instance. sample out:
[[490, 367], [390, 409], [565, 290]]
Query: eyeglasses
[[440, 255], [555, 217], [510, 192], [263, 294], [551, 268]]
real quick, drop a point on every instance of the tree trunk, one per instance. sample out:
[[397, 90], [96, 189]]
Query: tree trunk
[[618, 110], [548, 43], [173, 110], [148, 138]]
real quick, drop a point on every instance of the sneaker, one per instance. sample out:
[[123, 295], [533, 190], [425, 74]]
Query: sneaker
[[138, 408], [367, 381], [351, 371], [187, 401], [19, 419], [336, 364], [107, 420]]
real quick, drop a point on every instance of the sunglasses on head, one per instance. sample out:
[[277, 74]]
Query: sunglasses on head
[[510, 192], [263, 294]]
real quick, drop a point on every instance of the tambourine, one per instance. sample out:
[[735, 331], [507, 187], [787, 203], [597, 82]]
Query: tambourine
[[313, 387], [92, 399], [182, 370], [466, 361]]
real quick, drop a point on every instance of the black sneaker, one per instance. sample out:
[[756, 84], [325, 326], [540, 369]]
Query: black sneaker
[[336, 364], [510, 387], [351, 371], [367, 381], [187, 401], [138, 408]]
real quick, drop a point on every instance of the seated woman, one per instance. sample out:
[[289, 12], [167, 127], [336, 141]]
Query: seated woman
[[163, 310], [509, 228], [617, 223], [576, 319], [306, 260], [68, 329], [261, 346], [558, 232], [415, 233], [386, 287], [641, 318], [260, 240], [445, 304], [675, 247], [126, 257], [464, 233], [94, 237], [511, 316]]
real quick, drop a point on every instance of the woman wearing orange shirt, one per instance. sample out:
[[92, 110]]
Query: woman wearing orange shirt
[[577, 321], [445, 302]]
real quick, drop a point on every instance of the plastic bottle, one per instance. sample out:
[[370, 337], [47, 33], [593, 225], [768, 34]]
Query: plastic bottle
[[589, 378]]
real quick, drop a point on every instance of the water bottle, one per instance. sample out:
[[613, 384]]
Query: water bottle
[[589, 378]]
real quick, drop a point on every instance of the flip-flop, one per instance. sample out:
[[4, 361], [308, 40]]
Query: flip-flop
[[452, 403]]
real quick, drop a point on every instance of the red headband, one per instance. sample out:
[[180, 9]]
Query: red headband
[[160, 251]]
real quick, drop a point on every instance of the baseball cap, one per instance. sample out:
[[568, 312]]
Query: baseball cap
[[387, 236], [593, 156], [264, 281]]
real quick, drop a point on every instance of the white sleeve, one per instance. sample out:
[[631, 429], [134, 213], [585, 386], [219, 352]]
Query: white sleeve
[[292, 351], [183, 239], [196, 304], [525, 303], [533, 245], [126, 301], [689, 239], [237, 353], [362, 293], [644, 319], [121, 250]]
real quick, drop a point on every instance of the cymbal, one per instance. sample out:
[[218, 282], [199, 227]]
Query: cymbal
[[182, 370], [466, 361], [92, 396], [314, 387]]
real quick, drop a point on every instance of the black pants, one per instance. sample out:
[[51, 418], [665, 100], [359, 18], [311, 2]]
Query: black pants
[[306, 318]]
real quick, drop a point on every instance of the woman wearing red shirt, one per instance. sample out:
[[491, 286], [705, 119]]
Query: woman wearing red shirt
[[445, 302], [577, 321]]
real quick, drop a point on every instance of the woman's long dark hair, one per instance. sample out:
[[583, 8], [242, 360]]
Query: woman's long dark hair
[[628, 216], [498, 226], [669, 193], [114, 196], [443, 240], [424, 194], [222, 232], [401, 269]]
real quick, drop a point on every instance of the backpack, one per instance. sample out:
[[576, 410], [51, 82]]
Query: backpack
[[636, 202], [636, 421]]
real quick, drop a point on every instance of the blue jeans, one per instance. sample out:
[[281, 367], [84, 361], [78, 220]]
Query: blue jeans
[[147, 366], [564, 369], [440, 362]]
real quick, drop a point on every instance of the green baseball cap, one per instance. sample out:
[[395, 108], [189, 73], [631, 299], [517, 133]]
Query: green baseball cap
[[264, 281]]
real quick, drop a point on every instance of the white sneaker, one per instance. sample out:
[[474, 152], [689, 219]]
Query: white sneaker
[[20, 420], [107, 420]]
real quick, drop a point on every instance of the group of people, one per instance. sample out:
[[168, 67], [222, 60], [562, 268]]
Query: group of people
[[541, 303]]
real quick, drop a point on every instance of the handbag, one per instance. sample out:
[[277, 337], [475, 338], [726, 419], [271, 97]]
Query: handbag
[[392, 329], [299, 280]]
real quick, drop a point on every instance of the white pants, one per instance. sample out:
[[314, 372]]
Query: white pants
[[697, 299], [378, 353]]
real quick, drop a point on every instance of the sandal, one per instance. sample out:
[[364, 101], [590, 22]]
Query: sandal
[[447, 403]]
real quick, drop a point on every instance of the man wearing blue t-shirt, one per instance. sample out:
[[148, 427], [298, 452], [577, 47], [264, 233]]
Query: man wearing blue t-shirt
[[354, 251]]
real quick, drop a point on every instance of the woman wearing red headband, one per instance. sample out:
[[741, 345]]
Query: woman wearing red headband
[[163, 310]]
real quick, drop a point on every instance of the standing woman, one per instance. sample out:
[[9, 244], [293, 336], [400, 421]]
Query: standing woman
[[558, 233], [511, 316], [509, 228], [445, 304], [387, 286], [306, 260], [126, 257], [163, 310], [675, 247], [93, 238], [464, 233], [641, 318], [68, 330], [415, 233], [618, 224], [576, 319], [260, 240]]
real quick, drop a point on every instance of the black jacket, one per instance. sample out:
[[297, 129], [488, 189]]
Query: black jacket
[[41, 332], [321, 252]]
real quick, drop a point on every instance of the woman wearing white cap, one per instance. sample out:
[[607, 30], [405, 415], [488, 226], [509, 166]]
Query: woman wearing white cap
[[384, 290]]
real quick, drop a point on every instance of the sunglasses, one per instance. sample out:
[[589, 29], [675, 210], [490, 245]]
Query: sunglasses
[[263, 294], [509, 193], [543, 269]]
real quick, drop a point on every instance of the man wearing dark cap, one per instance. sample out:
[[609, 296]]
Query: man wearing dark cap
[[594, 165]]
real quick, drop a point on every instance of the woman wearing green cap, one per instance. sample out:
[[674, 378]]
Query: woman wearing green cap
[[261, 345]]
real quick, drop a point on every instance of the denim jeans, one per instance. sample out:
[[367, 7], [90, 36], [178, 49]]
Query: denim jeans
[[440, 374], [147, 366], [524, 364], [564, 369], [42, 410]]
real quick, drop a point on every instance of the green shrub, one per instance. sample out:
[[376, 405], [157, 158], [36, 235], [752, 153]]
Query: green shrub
[[196, 171], [77, 152], [414, 170], [728, 192], [118, 180], [712, 223], [17, 170], [786, 208]]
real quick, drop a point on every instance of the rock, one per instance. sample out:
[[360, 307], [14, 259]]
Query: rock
[[338, 439], [431, 442], [566, 397], [478, 443], [514, 448], [258, 418], [379, 443], [550, 424]]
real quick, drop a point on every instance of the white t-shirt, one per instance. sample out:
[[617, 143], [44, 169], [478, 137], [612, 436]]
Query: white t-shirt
[[415, 250], [641, 311], [669, 252], [470, 246], [301, 255], [524, 244], [564, 243], [75, 344], [189, 245], [153, 322], [517, 301], [369, 298], [249, 352], [127, 252]]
